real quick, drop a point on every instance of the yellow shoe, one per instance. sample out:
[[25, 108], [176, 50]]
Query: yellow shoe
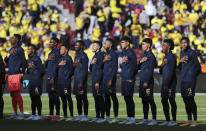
[[193, 124], [185, 124]]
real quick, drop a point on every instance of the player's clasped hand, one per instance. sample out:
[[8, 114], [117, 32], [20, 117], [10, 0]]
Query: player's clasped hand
[[51, 57], [94, 61], [143, 59], [124, 59], [184, 59], [107, 58], [31, 65], [62, 63]]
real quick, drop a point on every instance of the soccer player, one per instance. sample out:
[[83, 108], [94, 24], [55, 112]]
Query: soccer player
[[2, 86], [16, 64], [80, 80], [96, 68], [109, 79], [169, 81], [51, 88], [65, 72], [129, 66], [36, 72], [190, 68], [147, 65]]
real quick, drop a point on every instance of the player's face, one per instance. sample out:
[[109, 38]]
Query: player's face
[[30, 50], [77, 46], [124, 44], [52, 44], [184, 44], [165, 47], [107, 44], [63, 50], [95, 47], [13, 40], [145, 46]]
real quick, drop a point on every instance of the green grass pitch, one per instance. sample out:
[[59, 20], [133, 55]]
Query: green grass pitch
[[52, 125]]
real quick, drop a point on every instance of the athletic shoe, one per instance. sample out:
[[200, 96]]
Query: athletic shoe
[[84, 119], [95, 120], [48, 118], [152, 123], [37, 117], [113, 121], [30, 117], [186, 124], [172, 123], [100, 120], [131, 121], [20, 117], [11, 117], [78, 118], [69, 119], [165, 123], [125, 121], [193, 124], [56, 118], [143, 122]]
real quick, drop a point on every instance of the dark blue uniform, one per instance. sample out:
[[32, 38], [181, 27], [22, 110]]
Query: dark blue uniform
[[17, 62], [189, 72], [146, 74], [97, 72], [65, 73], [51, 67], [81, 72], [169, 78], [35, 75], [110, 71], [128, 72]]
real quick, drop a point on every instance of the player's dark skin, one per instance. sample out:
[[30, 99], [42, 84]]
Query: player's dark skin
[[108, 46], [78, 48]]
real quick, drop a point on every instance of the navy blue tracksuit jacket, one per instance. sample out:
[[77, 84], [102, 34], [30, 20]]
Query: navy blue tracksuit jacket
[[189, 72], [17, 62], [97, 72], [169, 78], [51, 68], [128, 72], [35, 75], [110, 71], [81, 72], [146, 74], [65, 73]]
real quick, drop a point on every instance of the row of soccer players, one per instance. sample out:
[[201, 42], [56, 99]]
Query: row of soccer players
[[60, 68]]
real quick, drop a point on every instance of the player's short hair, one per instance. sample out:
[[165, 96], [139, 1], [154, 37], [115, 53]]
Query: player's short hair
[[81, 42], [66, 46], [33, 46], [186, 38], [99, 43], [170, 42], [148, 40], [126, 38], [111, 41], [18, 37], [56, 40]]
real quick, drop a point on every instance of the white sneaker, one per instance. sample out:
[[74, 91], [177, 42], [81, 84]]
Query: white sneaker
[[125, 121], [172, 123], [164, 123], [144, 121], [30, 117], [84, 119], [11, 117], [152, 123], [131, 121], [78, 118], [37, 117]]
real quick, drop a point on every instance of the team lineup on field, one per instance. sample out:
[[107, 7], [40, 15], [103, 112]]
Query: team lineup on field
[[59, 68]]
